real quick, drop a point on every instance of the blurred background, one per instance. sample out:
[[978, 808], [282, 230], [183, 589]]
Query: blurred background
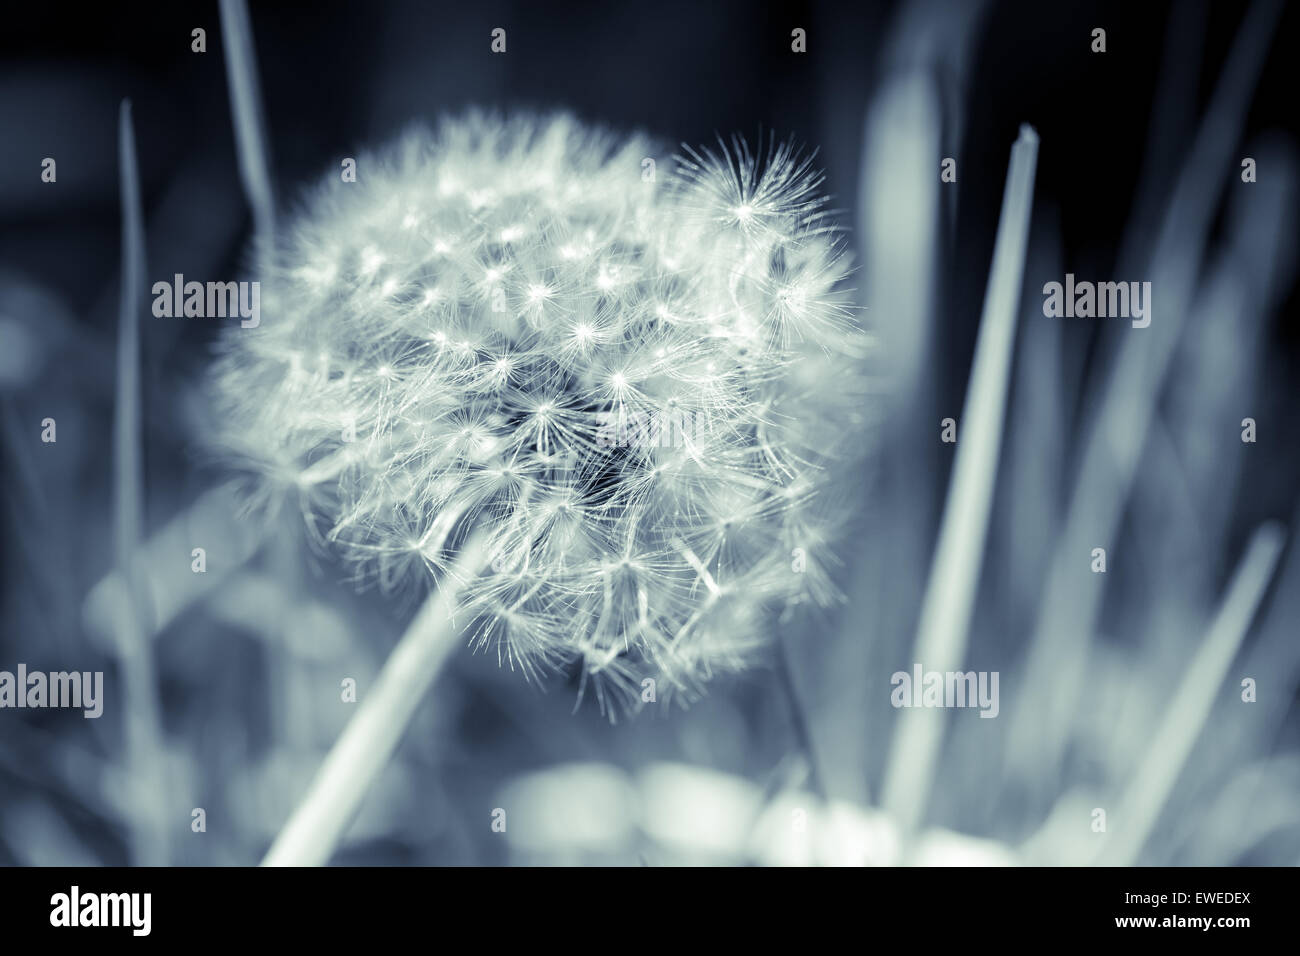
[[1120, 691]]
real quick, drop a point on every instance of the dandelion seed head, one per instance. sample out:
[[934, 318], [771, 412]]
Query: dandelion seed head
[[506, 318]]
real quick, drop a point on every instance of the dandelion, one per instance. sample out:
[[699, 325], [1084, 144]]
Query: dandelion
[[491, 296]]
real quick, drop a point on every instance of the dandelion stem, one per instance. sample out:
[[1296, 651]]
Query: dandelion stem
[[798, 718], [371, 737], [950, 592]]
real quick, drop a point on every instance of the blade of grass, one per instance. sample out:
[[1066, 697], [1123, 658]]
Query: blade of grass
[[1071, 597], [248, 116], [1156, 774], [958, 558], [898, 219], [143, 722], [168, 584]]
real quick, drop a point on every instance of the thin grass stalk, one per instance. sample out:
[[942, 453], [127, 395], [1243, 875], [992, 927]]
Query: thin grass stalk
[[170, 587], [143, 723], [249, 118], [1166, 755], [1071, 600], [898, 219], [950, 592]]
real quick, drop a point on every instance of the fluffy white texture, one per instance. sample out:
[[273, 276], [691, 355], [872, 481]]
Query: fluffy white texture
[[642, 390]]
